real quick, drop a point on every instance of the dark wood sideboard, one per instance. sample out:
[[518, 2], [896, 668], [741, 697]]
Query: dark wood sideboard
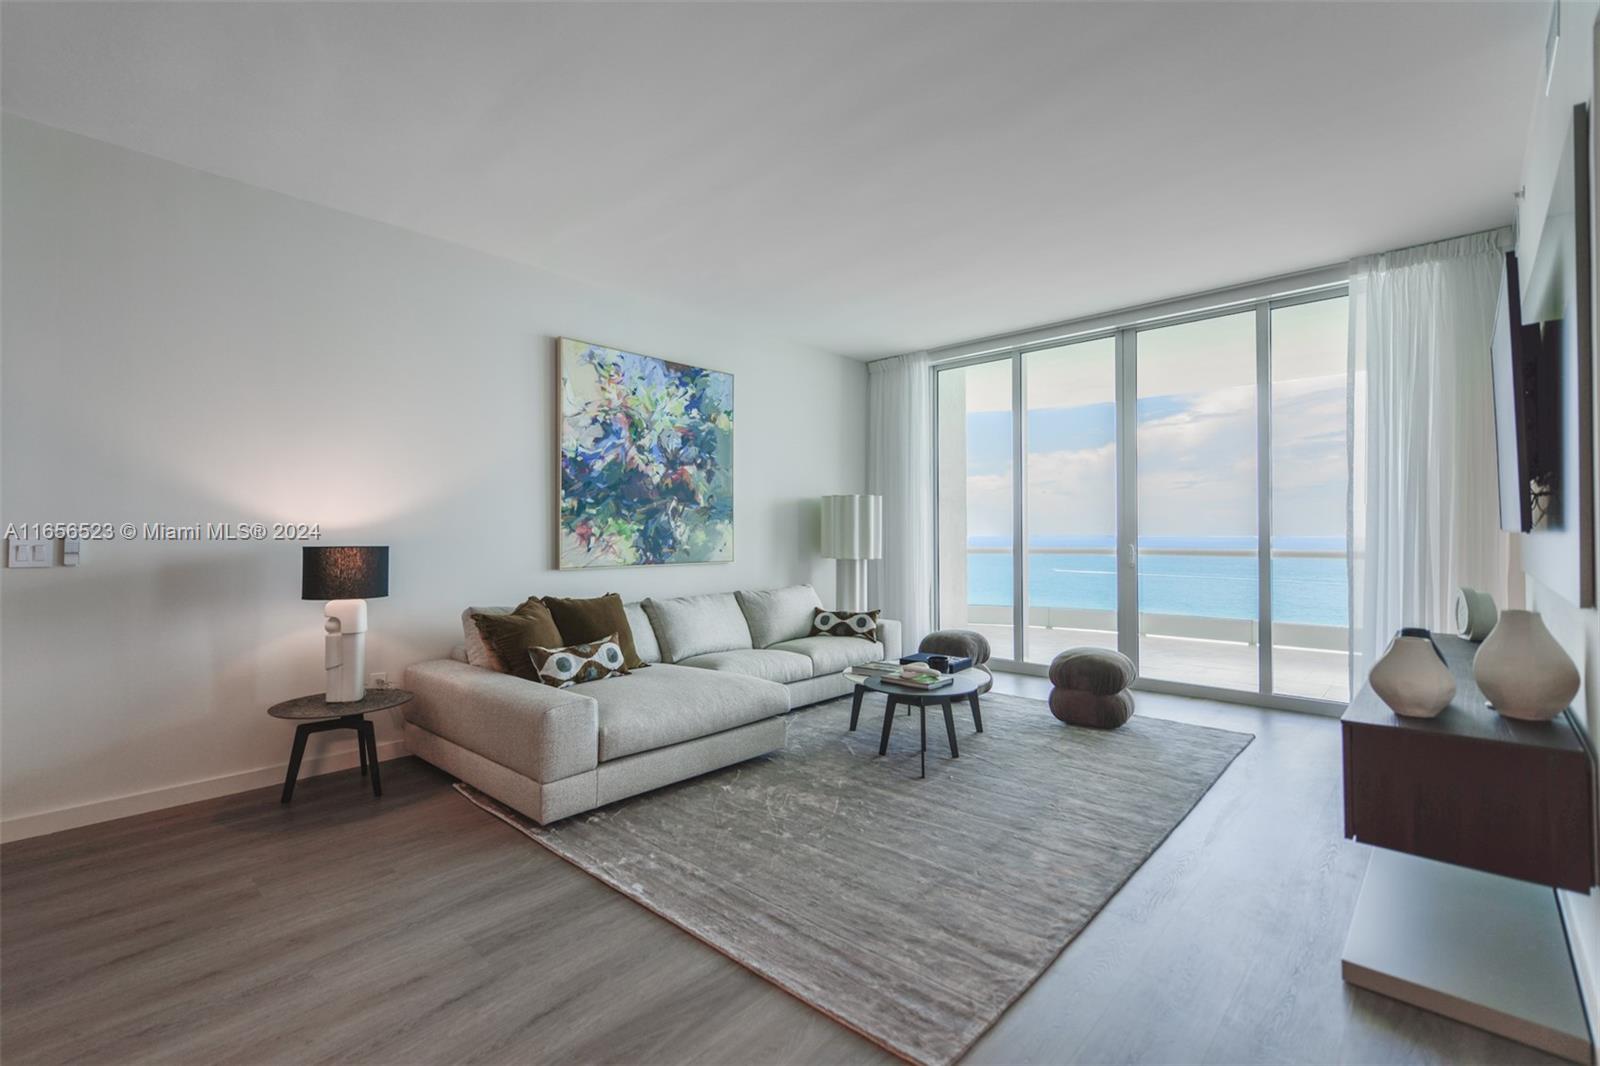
[[1472, 788], [1475, 819]]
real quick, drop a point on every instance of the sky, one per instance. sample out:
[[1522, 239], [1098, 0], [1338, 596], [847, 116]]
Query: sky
[[1196, 411]]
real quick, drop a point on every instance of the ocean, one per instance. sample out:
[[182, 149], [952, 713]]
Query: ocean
[[1307, 589]]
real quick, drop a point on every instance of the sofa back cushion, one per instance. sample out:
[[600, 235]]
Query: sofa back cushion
[[644, 635], [686, 626], [776, 615]]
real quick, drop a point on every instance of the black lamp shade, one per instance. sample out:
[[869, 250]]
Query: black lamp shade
[[344, 573]]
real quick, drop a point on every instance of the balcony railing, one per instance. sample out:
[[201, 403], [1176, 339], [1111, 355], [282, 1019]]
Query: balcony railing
[[1317, 637]]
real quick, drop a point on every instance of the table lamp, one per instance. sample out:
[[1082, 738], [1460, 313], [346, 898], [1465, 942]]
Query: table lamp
[[346, 578], [852, 532]]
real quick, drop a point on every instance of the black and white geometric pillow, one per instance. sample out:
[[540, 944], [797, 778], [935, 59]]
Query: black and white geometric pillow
[[565, 667], [863, 624]]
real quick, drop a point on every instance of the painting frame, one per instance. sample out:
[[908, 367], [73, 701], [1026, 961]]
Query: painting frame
[[644, 459]]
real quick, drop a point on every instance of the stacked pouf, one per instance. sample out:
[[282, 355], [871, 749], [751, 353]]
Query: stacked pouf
[[961, 642], [1091, 687]]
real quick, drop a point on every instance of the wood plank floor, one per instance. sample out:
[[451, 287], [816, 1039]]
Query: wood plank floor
[[416, 929]]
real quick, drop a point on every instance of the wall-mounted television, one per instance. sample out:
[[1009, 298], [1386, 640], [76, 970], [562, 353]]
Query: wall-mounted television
[[1521, 434]]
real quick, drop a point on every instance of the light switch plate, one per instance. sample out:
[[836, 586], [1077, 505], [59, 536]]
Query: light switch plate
[[71, 549], [28, 553]]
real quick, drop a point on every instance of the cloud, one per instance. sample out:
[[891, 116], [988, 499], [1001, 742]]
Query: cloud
[[1197, 468]]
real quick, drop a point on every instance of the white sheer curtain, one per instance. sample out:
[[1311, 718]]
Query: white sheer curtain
[[1424, 504], [900, 469]]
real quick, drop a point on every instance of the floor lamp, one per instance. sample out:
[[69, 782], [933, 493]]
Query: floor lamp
[[852, 532]]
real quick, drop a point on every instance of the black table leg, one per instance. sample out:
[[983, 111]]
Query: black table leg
[[923, 707], [888, 723], [977, 715], [950, 728], [369, 736], [300, 734], [855, 706], [366, 744]]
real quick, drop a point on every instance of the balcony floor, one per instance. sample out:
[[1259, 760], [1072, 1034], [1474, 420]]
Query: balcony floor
[[1321, 675]]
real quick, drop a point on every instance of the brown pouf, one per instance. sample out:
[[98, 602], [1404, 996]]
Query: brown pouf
[[1091, 687], [974, 646]]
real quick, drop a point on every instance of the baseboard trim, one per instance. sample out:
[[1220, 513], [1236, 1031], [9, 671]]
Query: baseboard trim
[[32, 825], [1588, 969]]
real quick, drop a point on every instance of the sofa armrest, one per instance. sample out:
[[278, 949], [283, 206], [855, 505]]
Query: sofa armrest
[[889, 631], [541, 732]]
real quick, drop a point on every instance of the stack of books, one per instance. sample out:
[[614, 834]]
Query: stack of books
[[881, 668]]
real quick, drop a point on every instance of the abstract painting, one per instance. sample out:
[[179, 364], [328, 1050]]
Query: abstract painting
[[646, 460]]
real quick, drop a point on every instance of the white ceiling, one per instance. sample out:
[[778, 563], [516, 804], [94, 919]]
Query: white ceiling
[[866, 178]]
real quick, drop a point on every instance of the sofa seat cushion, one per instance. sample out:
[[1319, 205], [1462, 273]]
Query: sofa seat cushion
[[769, 663], [829, 655], [670, 704]]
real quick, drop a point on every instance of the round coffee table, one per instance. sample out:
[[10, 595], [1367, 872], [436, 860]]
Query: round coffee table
[[964, 685], [316, 715]]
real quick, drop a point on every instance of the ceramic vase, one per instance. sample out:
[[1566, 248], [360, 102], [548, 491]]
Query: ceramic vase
[[1522, 669], [1475, 613], [1412, 677]]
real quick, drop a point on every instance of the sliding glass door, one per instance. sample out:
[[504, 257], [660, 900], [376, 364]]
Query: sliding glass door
[[976, 500], [1199, 571], [1070, 497], [1310, 478], [1171, 488]]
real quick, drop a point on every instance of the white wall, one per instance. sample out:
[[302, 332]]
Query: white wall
[[1577, 630], [183, 348]]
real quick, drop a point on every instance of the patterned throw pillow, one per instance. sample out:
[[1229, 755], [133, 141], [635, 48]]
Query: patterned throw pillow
[[565, 667], [863, 624]]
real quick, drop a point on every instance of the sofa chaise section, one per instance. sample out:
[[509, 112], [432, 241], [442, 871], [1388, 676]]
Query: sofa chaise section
[[528, 745], [552, 753]]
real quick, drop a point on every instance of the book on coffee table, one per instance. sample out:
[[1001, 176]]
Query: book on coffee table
[[919, 681]]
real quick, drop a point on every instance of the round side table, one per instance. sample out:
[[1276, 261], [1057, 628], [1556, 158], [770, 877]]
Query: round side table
[[316, 715]]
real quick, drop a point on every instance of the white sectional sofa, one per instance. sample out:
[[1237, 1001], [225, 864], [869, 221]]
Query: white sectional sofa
[[724, 670]]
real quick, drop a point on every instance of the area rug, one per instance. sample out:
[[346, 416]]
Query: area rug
[[914, 911]]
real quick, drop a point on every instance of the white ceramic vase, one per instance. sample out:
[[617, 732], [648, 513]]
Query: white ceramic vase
[[1412, 677], [1522, 669]]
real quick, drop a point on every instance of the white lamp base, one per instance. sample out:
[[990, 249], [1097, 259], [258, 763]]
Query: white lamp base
[[344, 649], [852, 587]]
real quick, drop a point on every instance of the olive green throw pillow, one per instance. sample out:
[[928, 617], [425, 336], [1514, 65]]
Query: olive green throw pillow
[[513, 636], [599, 618]]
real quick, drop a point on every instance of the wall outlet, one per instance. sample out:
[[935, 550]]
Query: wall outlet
[[378, 681], [28, 553]]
